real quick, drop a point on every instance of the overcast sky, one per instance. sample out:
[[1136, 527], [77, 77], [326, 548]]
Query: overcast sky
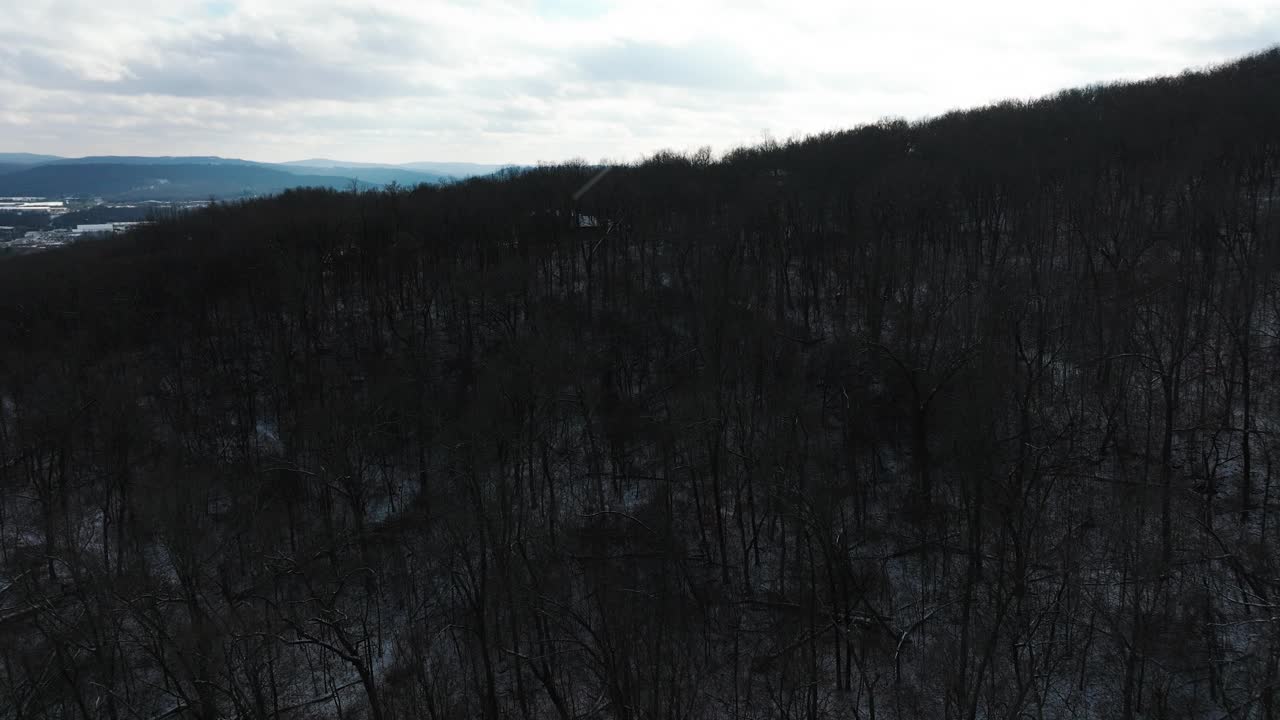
[[546, 80]]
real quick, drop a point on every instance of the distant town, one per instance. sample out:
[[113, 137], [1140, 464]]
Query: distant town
[[29, 224], [48, 201]]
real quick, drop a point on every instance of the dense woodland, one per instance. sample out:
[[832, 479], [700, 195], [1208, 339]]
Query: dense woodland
[[972, 417]]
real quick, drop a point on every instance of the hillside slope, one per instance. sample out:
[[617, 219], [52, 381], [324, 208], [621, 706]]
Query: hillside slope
[[971, 417]]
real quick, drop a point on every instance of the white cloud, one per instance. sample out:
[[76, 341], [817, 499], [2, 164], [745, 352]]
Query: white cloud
[[531, 80]]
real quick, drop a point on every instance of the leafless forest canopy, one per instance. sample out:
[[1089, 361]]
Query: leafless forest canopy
[[966, 418]]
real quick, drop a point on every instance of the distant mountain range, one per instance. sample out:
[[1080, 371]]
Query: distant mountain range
[[187, 181], [202, 177], [26, 158], [454, 169]]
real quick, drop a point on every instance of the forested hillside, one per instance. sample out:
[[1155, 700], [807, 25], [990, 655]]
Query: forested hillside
[[967, 418]]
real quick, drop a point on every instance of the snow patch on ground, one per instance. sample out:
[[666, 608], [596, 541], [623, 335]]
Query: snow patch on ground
[[268, 436]]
